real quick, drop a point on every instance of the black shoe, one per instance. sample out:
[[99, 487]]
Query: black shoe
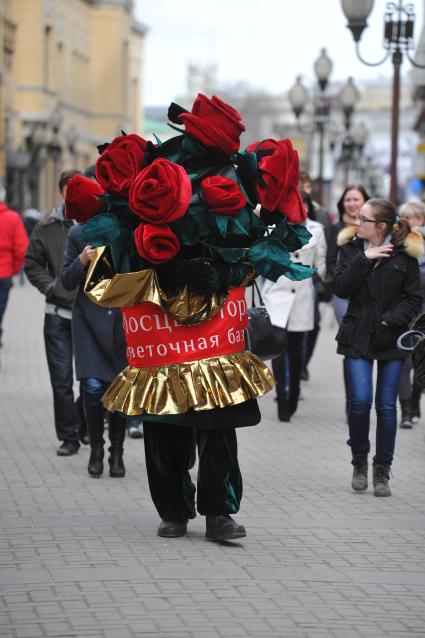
[[68, 448], [84, 439], [172, 529], [223, 528]]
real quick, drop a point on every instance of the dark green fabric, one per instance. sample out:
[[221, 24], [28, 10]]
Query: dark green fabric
[[234, 416], [168, 450]]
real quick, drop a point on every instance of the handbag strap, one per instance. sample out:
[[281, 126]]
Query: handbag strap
[[254, 288], [413, 334]]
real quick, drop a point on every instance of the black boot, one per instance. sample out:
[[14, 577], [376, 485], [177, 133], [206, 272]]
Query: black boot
[[359, 480], [381, 475], [117, 429], [94, 417], [406, 415], [84, 436], [415, 404], [283, 412]]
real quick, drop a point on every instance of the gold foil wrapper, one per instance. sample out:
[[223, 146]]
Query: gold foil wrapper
[[216, 382], [106, 288]]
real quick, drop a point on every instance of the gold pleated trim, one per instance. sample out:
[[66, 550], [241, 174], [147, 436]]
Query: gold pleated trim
[[106, 288], [216, 382]]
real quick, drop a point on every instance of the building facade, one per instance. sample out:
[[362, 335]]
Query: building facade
[[70, 80]]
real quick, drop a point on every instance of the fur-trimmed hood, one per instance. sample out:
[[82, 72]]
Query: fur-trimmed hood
[[413, 244]]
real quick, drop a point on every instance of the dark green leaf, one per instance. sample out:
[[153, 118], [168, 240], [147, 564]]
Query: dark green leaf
[[102, 230], [230, 255]]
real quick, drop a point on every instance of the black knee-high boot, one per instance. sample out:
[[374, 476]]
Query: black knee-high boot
[[95, 426], [117, 429]]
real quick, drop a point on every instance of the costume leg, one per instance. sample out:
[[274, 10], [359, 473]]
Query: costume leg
[[167, 451], [219, 476]]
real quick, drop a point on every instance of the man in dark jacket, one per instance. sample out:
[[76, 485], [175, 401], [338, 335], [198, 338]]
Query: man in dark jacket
[[43, 266]]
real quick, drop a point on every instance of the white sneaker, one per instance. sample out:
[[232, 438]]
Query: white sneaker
[[136, 431]]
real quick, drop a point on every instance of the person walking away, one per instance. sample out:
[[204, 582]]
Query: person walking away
[[30, 217], [291, 305], [409, 394], [43, 265], [100, 355], [13, 244], [378, 272]]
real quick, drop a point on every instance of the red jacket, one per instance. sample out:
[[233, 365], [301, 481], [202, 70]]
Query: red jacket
[[13, 242]]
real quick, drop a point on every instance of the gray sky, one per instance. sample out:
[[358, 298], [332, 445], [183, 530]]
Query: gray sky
[[264, 42]]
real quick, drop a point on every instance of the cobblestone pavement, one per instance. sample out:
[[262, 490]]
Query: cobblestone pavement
[[80, 557]]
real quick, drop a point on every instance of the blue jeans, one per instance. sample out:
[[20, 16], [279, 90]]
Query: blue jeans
[[359, 373], [93, 389]]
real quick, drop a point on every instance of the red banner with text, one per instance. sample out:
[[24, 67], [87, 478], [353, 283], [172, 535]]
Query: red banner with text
[[154, 339]]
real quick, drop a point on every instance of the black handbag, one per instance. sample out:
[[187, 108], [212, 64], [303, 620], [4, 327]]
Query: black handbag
[[262, 337], [414, 341]]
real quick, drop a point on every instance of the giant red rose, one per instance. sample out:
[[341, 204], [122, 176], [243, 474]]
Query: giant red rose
[[280, 170], [120, 162], [156, 243], [214, 123], [161, 192], [82, 198], [223, 195]]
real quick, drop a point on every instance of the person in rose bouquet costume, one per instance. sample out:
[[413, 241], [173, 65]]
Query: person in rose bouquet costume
[[177, 242]]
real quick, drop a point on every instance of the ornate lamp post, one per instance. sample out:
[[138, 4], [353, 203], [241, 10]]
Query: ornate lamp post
[[399, 23], [352, 148], [298, 98], [348, 98]]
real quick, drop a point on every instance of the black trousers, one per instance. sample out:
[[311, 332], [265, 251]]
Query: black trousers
[[219, 484], [294, 356], [58, 343], [5, 286]]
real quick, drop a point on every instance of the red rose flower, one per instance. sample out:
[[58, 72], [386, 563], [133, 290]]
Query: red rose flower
[[120, 162], [223, 195], [156, 243], [280, 173], [161, 192], [214, 123], [82, 198]]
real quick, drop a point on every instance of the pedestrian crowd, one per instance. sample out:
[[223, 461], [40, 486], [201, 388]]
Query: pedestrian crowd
[[369, 266]]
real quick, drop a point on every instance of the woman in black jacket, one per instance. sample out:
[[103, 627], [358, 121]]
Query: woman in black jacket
[[378, 272], [99, 349]]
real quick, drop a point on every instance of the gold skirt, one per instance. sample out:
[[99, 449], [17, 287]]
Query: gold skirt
[[216, 382]]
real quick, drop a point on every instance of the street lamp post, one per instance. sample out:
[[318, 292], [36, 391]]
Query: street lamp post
[[348, 97], [298, 97], [398, 39]]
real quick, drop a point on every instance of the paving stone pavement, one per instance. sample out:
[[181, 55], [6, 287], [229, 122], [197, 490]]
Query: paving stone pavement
[[80, 557]]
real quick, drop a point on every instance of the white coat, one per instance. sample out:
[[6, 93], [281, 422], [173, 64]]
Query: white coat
[[290, 304]]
